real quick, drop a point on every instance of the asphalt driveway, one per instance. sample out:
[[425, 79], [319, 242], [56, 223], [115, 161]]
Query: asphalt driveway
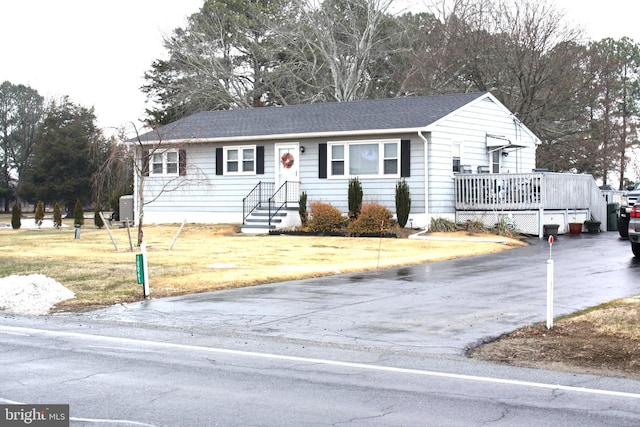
[[442, 307]]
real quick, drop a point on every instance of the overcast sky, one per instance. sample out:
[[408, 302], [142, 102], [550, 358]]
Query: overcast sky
[[96, 52]]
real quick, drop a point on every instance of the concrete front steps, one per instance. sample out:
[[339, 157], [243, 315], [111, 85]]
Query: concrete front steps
[[258, 221]]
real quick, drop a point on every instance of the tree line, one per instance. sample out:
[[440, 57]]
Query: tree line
[[54, 152], [579, 97]]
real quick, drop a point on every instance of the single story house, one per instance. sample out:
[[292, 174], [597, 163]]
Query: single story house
[[224, 166]]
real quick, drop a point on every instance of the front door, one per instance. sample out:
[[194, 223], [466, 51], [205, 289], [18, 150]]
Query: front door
[[287, 163]]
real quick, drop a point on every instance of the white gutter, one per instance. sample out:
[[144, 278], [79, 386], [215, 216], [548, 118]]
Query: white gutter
[[427, 171], [300, 135]]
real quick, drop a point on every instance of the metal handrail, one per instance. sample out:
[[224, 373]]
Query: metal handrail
[[260, 194], [282, 196]]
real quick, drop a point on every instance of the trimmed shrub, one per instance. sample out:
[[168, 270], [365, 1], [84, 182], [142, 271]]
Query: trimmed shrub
[[373, 218], [325, 218], [39, 217], [302, 209], [442, 225], [355, 197], [57, 216], [78, 214], [97, 219], [403, 202], [15, 217]]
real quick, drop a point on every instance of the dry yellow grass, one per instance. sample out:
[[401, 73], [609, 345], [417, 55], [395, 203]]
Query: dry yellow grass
[[620, 317], [204, 258]]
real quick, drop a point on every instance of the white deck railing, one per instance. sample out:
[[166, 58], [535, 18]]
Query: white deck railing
[[527, 191]]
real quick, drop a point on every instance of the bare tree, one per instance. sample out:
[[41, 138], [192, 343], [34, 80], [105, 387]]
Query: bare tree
[[114, 176], [342, 45], [525, 53], [135, 154], [614, 93]]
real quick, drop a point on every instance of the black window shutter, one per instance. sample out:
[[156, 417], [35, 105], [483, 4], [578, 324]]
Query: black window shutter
[[182, 162], [145, 162], [405, 158], [219, 162], [260, 160], [322, 161]]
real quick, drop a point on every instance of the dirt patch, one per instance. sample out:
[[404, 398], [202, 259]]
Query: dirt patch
[[574, 346]]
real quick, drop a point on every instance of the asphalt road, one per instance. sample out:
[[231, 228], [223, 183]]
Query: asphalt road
[[380, 348]]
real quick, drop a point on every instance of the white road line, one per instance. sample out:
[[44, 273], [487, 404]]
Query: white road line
[[297, 359], [14, 333], [111, 422], [87, 420]]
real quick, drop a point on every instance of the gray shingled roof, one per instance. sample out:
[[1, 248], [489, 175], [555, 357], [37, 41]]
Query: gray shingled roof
[[338, 117]]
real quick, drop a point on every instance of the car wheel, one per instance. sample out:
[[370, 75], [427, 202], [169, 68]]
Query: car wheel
[[623, 227], [635, 248]]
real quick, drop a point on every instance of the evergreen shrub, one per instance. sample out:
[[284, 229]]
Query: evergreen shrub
[[57, 216], [39, 216], [97, 219], [403, 202], [78, 214], [15, 217], [325, 218], [302, 209], [355, 197]]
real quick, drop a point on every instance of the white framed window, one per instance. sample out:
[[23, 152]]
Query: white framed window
[[240, 160], [337, 160], [364, 159], [164, 163], [456, 157]]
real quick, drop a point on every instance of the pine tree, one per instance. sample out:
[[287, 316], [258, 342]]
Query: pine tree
[[78, 214], [64, 156]]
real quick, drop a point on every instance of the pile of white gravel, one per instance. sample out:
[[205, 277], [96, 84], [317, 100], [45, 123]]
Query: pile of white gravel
[[31, 295]]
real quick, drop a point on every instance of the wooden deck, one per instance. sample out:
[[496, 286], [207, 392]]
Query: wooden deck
[[538, 193]]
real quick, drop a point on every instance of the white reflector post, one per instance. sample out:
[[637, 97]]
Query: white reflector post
[[549, 294], [145, 266]]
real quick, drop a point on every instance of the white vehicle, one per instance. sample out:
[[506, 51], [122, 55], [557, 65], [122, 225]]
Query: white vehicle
[[627, 202]]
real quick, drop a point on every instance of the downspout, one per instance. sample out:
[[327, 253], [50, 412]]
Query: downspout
[[427, 171]]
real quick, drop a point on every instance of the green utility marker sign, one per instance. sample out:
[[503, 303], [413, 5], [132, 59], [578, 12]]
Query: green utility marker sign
[[139, 269]]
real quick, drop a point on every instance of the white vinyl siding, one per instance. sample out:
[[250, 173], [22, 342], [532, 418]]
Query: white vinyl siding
[[470, 125], [218, 198]]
